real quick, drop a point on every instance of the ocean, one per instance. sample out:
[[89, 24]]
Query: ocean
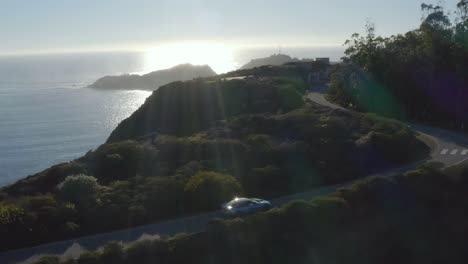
[[48, 116]]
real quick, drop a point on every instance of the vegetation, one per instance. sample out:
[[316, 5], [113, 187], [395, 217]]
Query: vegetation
[[420, 75], [195, 145], [184, 108], [419, 217], [207, 190], [79, 189]]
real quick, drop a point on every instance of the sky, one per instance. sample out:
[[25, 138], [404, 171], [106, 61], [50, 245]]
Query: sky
[[98, 25]]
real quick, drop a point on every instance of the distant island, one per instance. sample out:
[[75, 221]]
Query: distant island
[[275, 60], [153, 80]]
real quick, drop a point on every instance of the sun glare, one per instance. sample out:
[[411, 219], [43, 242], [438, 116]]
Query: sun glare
[[218, 57]]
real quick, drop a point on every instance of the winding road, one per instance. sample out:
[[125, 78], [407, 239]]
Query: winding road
[[448, 148]]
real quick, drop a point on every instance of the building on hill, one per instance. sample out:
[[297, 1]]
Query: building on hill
[[324, 59]]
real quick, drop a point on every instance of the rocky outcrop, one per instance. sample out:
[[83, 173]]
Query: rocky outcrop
[[153, 80]]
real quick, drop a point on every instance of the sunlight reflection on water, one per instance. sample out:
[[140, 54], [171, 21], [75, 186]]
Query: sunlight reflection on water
[[43, 126]]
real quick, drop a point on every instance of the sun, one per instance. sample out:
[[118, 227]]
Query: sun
[[219, 57]]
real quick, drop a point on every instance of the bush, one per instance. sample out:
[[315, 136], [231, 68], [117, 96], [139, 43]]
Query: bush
[[162, 197], [112, 253], [118, 161], [140, 252], [37, 202], [297, 83], [189, 169], [69, 228], [3, 196], [91, 257], [147, 251], [259, 142], [270, 178], [289, 98], [48, 260], [80, 189], [208, 190], [45, 181], [136, 214], [10, 213]]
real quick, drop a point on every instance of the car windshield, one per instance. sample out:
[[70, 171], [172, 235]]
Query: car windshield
[[240, 202], [129, 127]]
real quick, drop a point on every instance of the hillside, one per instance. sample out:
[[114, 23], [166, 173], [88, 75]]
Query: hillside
[[194, 145], [275, 60], [419, 217], [153, 80]]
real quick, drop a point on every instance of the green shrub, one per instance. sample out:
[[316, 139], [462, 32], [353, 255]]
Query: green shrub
[[208, 190], [136, 214], [69, 228], [189, 169], [112, 253], [48, 260], [297, 83], [10, 213], [266, 181], [90, 257], [259, 142], [38, 201], [147, 252], [47, 180], [80, 189], [289, 98], [162, 197], [118, 161], [3, 196]]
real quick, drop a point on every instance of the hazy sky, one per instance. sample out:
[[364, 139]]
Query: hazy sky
[[67, 25]]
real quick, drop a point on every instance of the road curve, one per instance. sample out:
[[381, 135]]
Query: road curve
[[443, 150], [449, 147]]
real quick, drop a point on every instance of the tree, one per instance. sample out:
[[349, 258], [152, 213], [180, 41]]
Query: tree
[[363, 50], [434, 18], [420, 75], [461, 28], [208, 190]]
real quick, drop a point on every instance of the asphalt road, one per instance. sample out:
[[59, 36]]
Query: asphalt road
[[447, 147]]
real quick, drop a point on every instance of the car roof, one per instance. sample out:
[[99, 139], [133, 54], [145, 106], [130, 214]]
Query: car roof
[[238, 200]]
